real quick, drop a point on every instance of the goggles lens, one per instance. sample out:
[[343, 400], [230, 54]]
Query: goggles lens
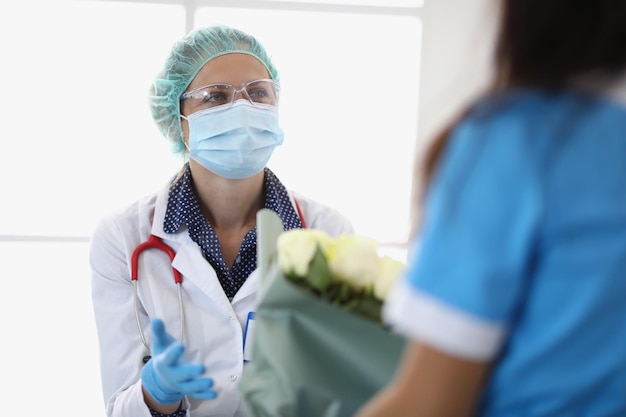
[[214, 95]]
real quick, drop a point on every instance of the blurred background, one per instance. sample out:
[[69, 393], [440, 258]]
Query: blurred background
[[365, 84]]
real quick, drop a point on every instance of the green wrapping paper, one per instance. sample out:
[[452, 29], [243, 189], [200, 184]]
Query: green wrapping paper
[[309, 357]]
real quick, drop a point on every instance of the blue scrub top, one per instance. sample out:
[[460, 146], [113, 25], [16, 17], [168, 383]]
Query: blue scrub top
[[522, 256]]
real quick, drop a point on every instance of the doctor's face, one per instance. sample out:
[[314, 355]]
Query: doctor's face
[[235, 69]]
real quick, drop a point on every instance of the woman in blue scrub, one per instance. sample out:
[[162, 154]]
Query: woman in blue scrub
[[515, 301]]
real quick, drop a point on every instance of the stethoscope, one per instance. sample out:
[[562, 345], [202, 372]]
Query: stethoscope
[[155, 242]]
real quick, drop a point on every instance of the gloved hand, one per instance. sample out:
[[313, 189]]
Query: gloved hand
[[168, 376]]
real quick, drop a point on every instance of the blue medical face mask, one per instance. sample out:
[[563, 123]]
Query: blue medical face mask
[[236, 142]]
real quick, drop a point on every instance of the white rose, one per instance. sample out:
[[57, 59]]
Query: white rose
[[389, 270], [354, 259], [296, 248]]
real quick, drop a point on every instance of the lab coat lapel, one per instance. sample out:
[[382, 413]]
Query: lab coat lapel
[[249, 287], [189, 260], [195, 268]]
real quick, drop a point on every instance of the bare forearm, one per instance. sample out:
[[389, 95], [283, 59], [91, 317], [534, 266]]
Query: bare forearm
[[429, 383]]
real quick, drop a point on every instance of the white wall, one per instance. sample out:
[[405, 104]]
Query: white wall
[[457, 43]]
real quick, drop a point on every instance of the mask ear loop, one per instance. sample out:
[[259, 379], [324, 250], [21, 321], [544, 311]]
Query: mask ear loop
[[182, 116]]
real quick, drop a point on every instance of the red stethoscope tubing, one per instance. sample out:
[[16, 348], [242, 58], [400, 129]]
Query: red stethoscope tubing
[[299, 213], [155, 242]]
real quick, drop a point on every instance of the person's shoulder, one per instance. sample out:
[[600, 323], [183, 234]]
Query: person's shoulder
[[519, 103], [140, 206], [319, 215], [507, 128], [134, 208], [127, 216], [526, 114], [533, 104], [504, 114]]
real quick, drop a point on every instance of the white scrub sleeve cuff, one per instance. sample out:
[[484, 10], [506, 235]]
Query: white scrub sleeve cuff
[[422, 318]]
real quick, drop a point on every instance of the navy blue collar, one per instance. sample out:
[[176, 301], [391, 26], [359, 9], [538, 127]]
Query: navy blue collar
[[183, 207]]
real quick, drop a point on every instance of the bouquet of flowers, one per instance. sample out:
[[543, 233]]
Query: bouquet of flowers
[[347, 271], [319, 348]]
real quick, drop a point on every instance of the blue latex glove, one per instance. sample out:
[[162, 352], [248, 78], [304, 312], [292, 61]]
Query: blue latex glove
[[168, 376]]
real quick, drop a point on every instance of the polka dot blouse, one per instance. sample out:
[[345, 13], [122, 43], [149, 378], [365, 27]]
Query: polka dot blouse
[[183, 208], [181, 412]]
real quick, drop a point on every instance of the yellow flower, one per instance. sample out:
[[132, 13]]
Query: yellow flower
[[354, 260], [389, 270], [296, 248], [346, 271]]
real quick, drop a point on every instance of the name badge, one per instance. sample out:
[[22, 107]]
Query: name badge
[[248, 338]]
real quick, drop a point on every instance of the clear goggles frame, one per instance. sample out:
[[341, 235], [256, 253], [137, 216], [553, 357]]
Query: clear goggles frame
[[264, 91]]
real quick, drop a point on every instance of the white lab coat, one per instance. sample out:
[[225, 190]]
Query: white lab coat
[[214, 326]]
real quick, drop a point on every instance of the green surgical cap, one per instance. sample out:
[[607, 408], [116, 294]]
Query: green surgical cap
[[186, 58]]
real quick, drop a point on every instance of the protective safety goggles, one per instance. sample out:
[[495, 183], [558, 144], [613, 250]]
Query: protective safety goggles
[[264, 91]]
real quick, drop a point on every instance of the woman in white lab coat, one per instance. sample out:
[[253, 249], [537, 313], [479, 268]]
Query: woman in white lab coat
[[216, 100]]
